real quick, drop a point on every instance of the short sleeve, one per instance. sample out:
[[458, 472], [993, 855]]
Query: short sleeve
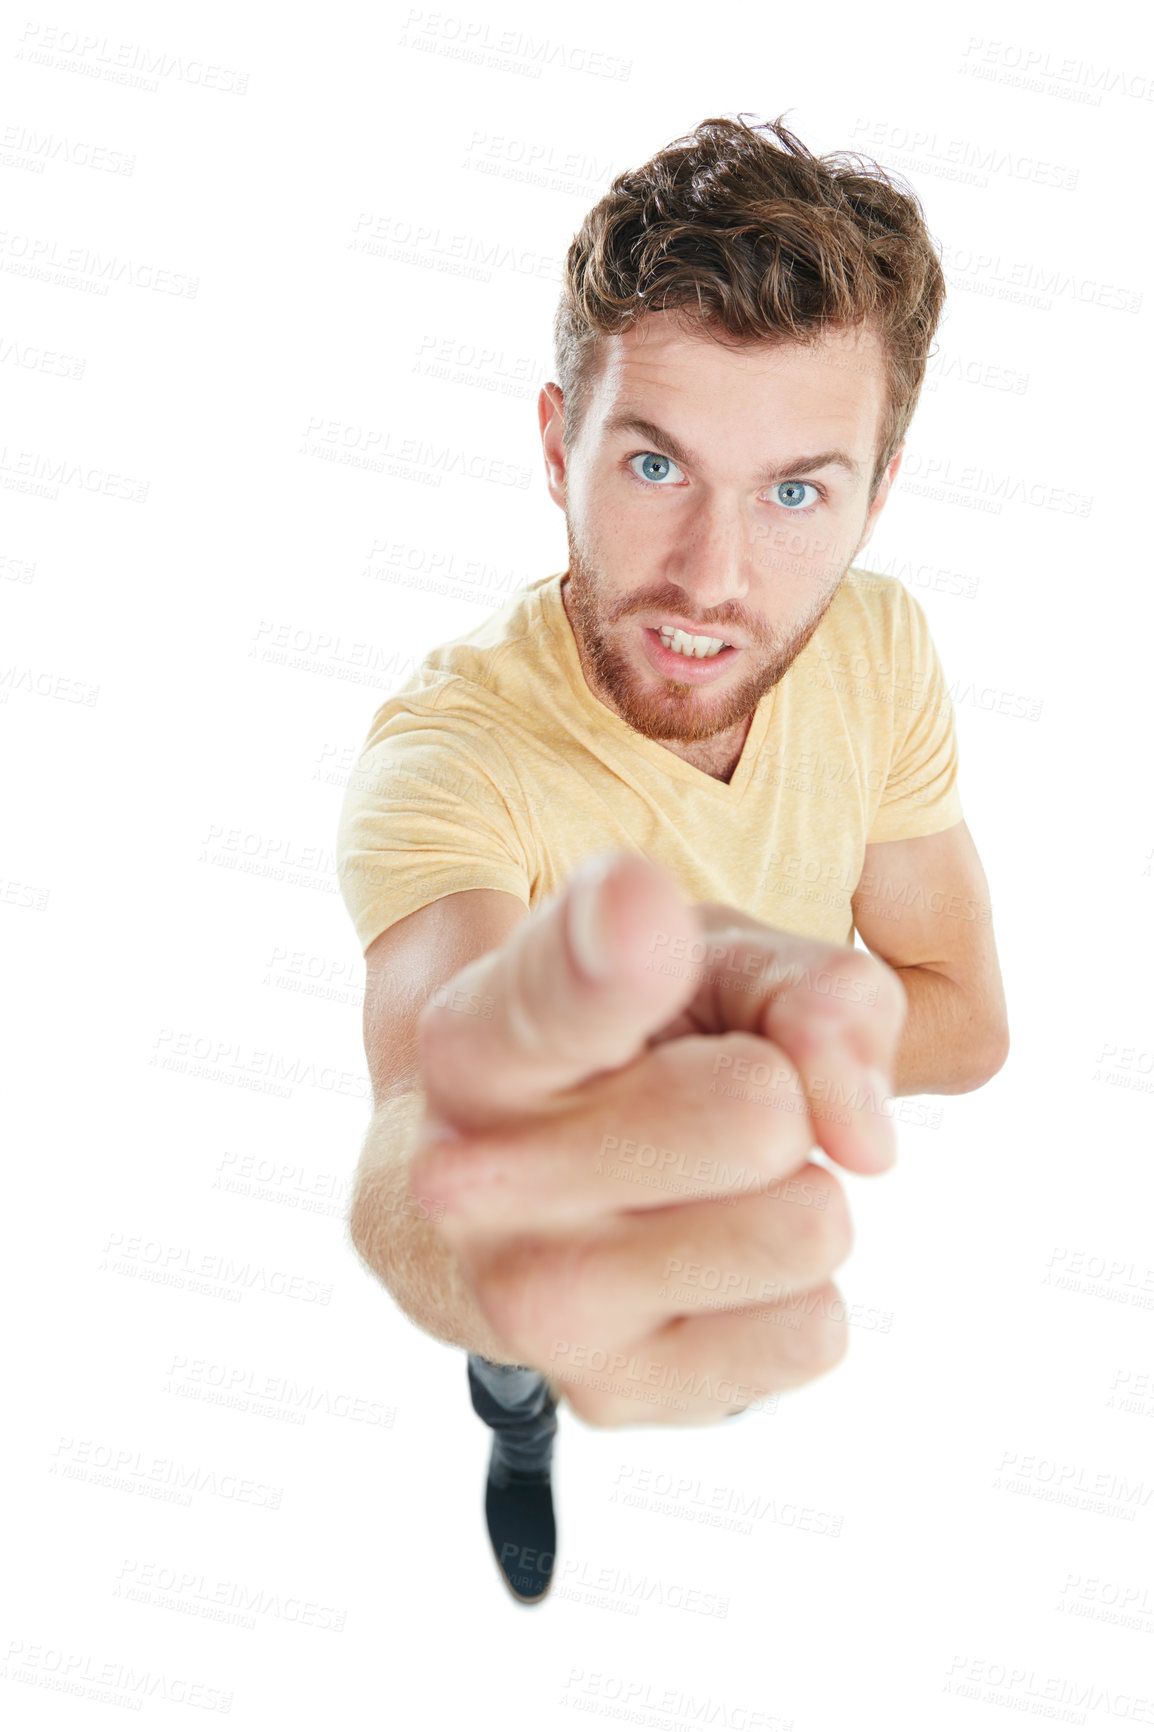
[[921, 795], [424, 816]]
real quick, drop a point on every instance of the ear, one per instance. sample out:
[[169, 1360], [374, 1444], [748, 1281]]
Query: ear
[[551, 421], [874, 512]]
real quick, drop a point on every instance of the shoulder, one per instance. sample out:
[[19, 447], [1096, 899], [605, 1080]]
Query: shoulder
[[510, 635], [871, 599], [455, 700], [876, 614], [866, 626], [436, 740]]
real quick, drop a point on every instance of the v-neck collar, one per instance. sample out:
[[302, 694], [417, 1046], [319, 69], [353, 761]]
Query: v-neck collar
[[629, 743]]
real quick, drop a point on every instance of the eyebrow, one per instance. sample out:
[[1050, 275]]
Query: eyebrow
[[625, 421]]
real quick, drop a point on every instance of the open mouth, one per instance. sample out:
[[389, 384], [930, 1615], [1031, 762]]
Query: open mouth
[[691, 659], [700, 645]]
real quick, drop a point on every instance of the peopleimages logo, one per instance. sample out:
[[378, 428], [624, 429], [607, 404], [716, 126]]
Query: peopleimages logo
[[1040, 69], [1028, 283], [963, 158]]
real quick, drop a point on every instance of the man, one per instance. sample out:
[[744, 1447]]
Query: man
[[606, 854]]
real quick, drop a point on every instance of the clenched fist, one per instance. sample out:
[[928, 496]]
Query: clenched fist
[[617, 1138]]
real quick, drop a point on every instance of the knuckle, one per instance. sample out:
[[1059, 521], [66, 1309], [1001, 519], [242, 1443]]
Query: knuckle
[[832, 1206], [505, 1291], [760, 1093], [440, 1161], [803, 1247], [528, 1289], [823, 1338], [820, 1236], [677, 1064], [831, 1345], [735, 1073], [594, 1407]]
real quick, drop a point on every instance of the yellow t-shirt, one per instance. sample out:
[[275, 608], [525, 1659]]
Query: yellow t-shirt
[[495, 767]]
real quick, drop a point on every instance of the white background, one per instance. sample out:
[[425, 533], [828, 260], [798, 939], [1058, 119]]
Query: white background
[[345, 243]]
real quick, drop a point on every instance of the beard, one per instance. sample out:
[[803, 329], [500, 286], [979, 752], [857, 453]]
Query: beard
[[668, 709]]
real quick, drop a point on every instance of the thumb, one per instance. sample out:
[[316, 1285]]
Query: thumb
[[576, 989]]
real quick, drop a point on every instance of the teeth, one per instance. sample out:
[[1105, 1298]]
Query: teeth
[[690, 646]]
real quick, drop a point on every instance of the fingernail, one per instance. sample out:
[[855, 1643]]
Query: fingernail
[[585, 916]]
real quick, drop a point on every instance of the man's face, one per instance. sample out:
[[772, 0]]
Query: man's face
[[720, 515]]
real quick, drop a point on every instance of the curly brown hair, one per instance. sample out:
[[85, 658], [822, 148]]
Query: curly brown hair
[[742, 240]]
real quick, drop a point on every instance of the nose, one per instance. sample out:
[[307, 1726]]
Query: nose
[[711, 565]]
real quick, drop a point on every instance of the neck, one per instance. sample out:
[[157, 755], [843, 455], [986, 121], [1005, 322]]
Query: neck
[[718, 757]]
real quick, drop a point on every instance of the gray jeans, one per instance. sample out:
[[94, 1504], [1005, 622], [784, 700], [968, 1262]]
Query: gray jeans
[[518, 1405]]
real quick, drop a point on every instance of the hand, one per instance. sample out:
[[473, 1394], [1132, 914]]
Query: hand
[[621, 1160]]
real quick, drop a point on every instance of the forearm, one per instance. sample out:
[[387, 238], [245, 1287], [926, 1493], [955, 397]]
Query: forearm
[[396, 1237], [944, 1047]]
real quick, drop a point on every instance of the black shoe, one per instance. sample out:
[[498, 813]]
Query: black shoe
[[522, 1528]]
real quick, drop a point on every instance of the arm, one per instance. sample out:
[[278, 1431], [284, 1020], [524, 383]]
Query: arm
[[923, 906], [394, 1234]]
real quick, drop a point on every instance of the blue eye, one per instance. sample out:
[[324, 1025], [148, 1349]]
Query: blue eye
[[794, 490], [657, 470], [654, 459]]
